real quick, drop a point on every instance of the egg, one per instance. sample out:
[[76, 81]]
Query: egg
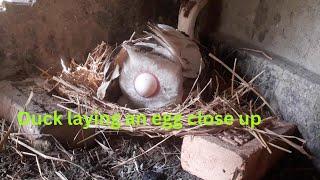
[[149, 77], [146, 85]]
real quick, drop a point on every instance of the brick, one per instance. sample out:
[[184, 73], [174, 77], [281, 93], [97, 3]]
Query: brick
[[210, 157], [13, 97]]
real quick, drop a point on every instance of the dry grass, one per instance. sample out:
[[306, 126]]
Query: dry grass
[[78, 85]]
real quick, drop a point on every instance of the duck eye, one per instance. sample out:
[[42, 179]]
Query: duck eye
[[146, 84]]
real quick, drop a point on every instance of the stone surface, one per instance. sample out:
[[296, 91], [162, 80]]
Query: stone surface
[[289, 32], [212, 158], [13, 98], [287, 28], [291, 90]]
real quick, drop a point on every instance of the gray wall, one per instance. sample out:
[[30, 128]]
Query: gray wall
[[289, 31], [288, 28]]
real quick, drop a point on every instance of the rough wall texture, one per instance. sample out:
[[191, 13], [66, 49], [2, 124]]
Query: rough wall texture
[[289, 28], [58, 28], [293, 96]]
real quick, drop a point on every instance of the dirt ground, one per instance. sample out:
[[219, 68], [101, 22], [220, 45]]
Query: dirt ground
[[161, 163]]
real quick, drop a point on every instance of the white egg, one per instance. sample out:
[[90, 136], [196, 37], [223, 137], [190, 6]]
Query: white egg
[[146, 85]]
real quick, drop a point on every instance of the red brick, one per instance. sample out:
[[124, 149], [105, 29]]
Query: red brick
[[210, 157], [13, 97]]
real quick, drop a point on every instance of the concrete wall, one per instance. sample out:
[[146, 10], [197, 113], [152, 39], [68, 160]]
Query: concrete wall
[[71, 28], [289, 31], [295, 98], [288, 28]]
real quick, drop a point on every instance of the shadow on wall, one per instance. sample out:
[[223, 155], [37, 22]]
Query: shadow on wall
[[57, 28], [209, 21]]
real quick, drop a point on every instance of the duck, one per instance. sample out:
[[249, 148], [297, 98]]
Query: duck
[[156, 66]]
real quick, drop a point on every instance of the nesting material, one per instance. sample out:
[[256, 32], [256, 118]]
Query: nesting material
[[234, 100], [28, 95]]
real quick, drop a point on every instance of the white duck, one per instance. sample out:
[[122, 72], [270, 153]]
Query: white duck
[[181, 47], [149, 78], [154, 68], [153, 73]]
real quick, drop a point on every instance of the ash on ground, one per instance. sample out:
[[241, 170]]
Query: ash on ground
[[163, 162]]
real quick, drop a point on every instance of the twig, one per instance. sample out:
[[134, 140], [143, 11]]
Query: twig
[[243, 81], [232, 79], [46, 156], [257, 51], [133, 158], [69, 85]]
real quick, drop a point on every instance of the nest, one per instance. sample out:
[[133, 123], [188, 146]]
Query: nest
[[79, 85]]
